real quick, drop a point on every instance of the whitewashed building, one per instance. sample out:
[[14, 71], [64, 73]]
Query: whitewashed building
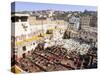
[[74, 22], [25, 36]]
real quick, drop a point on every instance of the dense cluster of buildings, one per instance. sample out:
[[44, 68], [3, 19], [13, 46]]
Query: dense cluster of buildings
[[49, 40]]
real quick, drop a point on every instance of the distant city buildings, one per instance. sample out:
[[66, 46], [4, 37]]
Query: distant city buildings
[[88, 20]]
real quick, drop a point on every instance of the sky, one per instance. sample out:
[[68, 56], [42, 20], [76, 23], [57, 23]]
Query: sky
[[30, 6]]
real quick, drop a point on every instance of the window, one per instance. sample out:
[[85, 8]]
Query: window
[[24, 55], [49, 32], [33, 43], [23, 19], [24, 48]]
